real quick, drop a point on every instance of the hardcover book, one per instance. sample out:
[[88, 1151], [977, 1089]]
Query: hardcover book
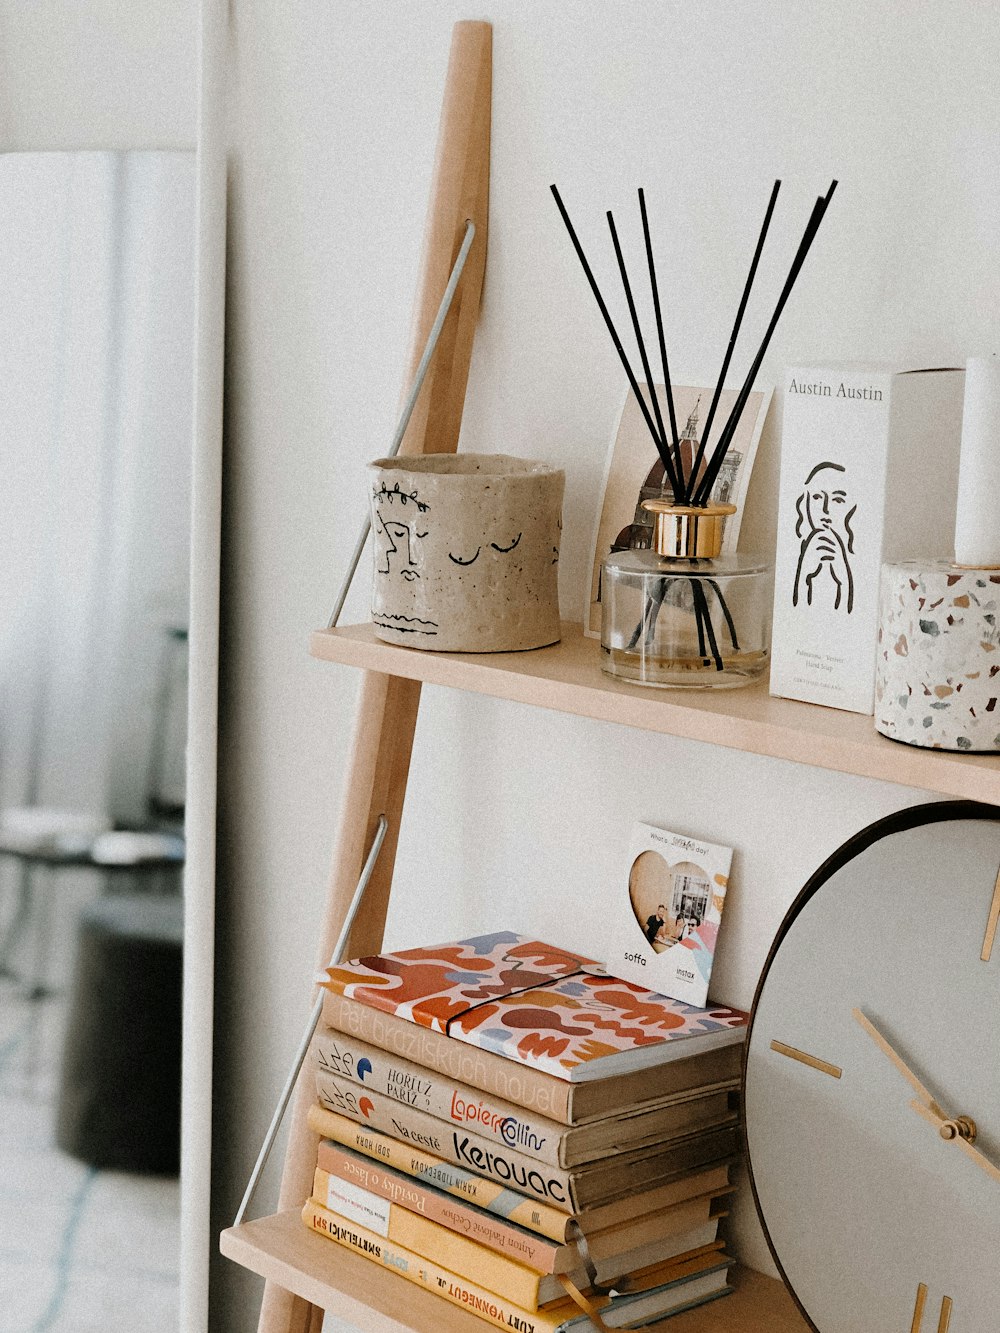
[[425, 1168], [499, 1273], [472, 1295], [429, 1169], [497, 1232], [542, 1007], [507, 1277], [668, 911], [531, 1089], [505, 1165], [559, 1317], [611, 1250], [703, 1279], [570, 1191], [435, 985], [419, 1089]]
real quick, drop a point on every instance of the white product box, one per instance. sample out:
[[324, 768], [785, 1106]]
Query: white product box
[[869, 472]]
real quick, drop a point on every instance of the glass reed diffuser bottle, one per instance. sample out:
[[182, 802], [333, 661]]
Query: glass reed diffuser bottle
[[680, 613]]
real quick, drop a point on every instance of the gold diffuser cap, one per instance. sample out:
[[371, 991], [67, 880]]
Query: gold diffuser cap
[[690, 532]]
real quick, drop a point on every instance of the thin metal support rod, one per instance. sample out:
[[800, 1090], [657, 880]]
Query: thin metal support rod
[[408, 406], [22, 913], [300, 1054]]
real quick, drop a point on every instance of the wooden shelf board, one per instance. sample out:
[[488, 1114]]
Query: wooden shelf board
[[283, 1250], [567, 677]]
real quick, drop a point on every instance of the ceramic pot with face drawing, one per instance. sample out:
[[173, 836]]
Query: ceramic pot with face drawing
[[466, 551]]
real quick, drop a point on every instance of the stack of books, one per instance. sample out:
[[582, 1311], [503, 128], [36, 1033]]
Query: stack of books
[[529, 1138]]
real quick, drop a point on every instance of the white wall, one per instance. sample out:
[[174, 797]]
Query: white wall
[[99, 75], [517, 818]]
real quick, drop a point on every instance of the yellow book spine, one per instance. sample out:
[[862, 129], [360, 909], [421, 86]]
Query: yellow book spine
[[488, 1194], [458, 1254], [425, 1273]]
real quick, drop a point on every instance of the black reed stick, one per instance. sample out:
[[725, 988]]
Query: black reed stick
[[701, 605], [688, 489], [726, 612], [640, 341], [699, 617], [681, 496], [733, 336], [650, 612], [809, 235], [668, 466], [704, 490], [816, 217]]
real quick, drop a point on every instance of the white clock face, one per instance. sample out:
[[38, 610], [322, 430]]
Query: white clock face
[[878, 1222]]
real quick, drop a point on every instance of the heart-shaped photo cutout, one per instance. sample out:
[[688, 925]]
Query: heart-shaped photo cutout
[[669, 902]]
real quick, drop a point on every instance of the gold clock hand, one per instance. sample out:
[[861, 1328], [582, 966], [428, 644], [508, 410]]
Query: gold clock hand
[[957, 1132], [865, 1022]]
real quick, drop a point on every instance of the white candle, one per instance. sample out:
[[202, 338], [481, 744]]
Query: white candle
[[977, 520]]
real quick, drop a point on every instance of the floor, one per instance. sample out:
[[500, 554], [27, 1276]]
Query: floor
[[81, 1250]]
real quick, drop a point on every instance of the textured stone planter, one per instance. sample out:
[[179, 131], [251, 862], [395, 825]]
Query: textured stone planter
[[466, 551]]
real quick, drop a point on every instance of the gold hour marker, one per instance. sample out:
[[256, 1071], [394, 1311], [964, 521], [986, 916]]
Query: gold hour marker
[[991, 925], [944, 1319], [918, 1309], [803, 1057]]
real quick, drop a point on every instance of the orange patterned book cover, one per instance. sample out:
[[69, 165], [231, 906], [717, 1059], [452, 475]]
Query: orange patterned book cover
[[431, 986], [541, 1006]]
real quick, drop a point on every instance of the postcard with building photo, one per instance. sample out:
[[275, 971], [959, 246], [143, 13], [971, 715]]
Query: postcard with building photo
[[634, 473], [668, 912]]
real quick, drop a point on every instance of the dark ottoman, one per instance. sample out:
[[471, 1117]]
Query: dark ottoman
[[120, 1080]]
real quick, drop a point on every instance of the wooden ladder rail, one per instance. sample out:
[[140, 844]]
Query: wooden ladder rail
[[375, 781]]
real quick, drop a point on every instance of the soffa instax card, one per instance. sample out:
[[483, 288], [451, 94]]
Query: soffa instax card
[[669, 909]]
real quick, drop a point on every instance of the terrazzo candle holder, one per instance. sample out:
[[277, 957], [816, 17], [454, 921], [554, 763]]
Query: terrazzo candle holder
[[937, 681]]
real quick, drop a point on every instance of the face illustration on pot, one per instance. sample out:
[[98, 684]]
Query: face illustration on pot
[[460, 564], [403, 524], [824, 514], [396, 537]]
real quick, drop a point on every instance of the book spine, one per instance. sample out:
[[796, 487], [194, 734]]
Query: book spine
[[625, 1175], [552, 1184], [654, 1197], [424, 1272], [442, 1097], [656, 1226], [464, 1218], [500, 1077], [535, 1215], [507, 1278]]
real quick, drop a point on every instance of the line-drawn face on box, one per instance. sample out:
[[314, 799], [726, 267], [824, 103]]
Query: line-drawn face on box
[[464, 551], [824, 514]]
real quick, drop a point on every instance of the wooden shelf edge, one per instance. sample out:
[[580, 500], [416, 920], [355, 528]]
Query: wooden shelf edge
[[566, 677], [283, 1250]]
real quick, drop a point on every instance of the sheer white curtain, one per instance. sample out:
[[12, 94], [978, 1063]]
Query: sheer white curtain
[[96, 318]]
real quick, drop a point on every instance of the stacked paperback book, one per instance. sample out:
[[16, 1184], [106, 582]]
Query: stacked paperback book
[[527, 1137]]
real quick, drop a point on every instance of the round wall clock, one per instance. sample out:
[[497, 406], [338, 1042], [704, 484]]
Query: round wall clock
[[872, 1080]]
